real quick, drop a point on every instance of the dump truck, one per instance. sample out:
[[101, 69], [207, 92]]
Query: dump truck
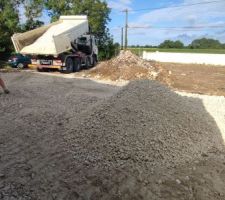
[[66, 44]]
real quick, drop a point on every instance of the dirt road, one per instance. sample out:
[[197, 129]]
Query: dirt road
[[63, 139]]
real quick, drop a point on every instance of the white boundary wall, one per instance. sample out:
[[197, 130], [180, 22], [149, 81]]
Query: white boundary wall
[[194, 58]]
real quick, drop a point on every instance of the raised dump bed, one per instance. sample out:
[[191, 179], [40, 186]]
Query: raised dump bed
[[52, 39]]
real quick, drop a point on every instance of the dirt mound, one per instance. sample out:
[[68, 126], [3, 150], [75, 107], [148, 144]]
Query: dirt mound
[[126, 66], [144, 126]]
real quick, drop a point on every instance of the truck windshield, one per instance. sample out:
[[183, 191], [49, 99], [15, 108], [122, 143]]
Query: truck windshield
[[82, 40]]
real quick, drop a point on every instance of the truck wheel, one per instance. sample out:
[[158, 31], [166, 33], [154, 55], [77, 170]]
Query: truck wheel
[[39, 69], [77, 65], [94, 61], [88, 62], [69, 65]]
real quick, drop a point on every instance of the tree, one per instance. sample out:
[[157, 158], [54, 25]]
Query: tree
[[57, 8], [9, 20], [109, 50], [205, 43], [171, 44], [178, 44], [33, 11]]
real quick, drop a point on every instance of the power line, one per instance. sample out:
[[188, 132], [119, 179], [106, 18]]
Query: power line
[[175, 6], [173, 27], [188, 28]]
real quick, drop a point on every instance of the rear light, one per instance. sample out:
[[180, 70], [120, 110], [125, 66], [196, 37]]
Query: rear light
[[14, 59], [57, 62], [34, 61]]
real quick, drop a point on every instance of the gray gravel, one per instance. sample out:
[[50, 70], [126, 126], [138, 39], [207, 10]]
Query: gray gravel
[[77, 139], [33, 118], [144, 126], [215, 106]]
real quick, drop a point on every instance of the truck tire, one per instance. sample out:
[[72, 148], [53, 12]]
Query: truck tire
[[94, 60], [69, 65], [88, 62], [77, 65], [39, 69]]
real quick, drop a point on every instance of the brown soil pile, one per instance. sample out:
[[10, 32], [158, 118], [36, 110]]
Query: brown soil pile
[[126, 66]]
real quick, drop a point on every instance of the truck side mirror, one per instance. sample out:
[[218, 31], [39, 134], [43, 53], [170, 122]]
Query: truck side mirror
[[96, 41]]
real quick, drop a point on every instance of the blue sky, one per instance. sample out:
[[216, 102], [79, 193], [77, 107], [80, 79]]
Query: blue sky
[[198, 15]]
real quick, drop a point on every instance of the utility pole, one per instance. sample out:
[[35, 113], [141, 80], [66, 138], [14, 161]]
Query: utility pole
[[122, 38], [126, 27]]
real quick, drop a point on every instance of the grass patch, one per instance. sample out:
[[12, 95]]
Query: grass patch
[[3, 64], [4, 67]]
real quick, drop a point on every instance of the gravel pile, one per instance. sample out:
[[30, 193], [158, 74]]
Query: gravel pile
[[126, 66], [145, 126], [78, 139]]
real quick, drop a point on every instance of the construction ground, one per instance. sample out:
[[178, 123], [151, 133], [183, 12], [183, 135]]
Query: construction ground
[[126, 129]]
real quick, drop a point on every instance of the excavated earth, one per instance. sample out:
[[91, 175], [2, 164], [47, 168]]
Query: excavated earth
[[125, 66], [78, 139]]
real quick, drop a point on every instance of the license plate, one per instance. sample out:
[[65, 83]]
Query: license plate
[[46, 62]]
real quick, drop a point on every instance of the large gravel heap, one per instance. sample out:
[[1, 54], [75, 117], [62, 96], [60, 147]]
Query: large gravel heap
[[125, 66], [144, 126], [78, 140]]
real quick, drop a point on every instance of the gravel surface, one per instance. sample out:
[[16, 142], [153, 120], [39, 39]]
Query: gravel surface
[[78, 139], [215, 106], [33, 159]]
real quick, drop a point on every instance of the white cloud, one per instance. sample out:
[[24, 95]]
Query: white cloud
[[189, 14], [196, 15], [120, 4], [126, 1]]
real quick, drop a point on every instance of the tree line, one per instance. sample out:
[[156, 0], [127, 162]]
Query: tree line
[[203, 43], [97, 12]]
